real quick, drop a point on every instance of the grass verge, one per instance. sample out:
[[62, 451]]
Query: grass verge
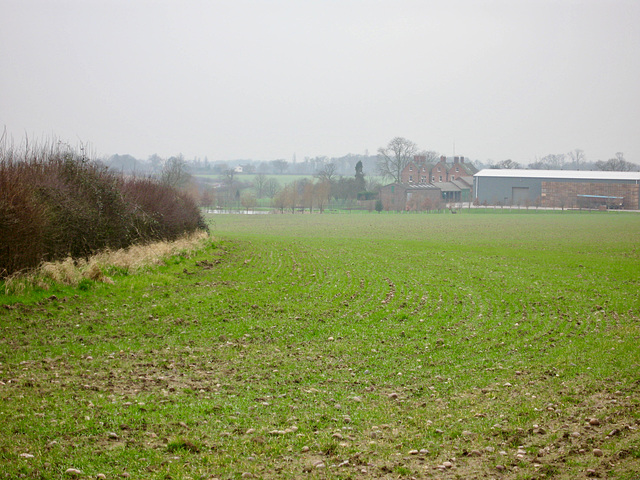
[[99, 268]]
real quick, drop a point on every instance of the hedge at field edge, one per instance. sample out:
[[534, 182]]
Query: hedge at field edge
[[55, 203]]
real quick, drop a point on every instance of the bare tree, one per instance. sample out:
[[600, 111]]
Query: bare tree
[[272, 187], [287, 197], [175, 173], [280, 165], [506, 164], [429, 156], [280, 200], [321, 191], [345, 189], [208, 198], [307, 196], [155, 162], [227, 176], [577, 157], [248, 200], [618, 164], [553, 161], [373, 185], [327, 173], [395, 156], [260, 184]]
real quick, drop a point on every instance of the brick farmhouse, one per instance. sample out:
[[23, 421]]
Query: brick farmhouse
[[427, 185]]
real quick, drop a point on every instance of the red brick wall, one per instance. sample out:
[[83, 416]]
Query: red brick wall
[[427, 199], [442, 173], [393, 197], [452, 174], [416, 171], [565, 194]]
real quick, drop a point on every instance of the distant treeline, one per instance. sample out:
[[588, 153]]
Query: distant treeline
[[55, 203], [202, 166], [344, 166]]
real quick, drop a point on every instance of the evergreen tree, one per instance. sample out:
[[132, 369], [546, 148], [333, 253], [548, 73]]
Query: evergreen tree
[[360, 183]]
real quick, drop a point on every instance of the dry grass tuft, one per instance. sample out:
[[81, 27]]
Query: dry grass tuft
[[65, 272], [125, 260], [137, 257]]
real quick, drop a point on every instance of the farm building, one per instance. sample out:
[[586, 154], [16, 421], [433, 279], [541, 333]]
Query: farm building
[[400, 196], [420, 171], [558, 188], [425, 196]]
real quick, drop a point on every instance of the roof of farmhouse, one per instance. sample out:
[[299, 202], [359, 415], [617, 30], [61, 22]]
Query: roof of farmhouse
[[558, 174], [421, 186], [448, 187]]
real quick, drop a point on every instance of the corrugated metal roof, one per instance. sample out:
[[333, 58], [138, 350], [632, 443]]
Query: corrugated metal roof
[[559, 174]]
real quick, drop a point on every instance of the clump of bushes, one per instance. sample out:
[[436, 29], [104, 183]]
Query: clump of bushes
[[55, 203]]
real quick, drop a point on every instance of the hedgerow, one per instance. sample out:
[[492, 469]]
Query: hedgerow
[[56, 203]]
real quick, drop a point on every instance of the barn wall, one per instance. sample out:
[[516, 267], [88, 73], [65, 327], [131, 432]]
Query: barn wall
[[499, 191], [558, 194], [393, 197], [551, 192], [424, 199]]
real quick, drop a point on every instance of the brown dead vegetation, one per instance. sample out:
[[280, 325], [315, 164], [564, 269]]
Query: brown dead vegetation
[[57, 203]]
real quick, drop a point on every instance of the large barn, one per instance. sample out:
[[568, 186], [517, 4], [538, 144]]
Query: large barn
[[558, 188]]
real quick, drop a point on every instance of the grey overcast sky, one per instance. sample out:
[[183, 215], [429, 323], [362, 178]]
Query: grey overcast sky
[[251, 79]]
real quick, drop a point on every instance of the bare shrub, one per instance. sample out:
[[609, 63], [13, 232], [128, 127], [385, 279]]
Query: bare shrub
[[162, 212], [56, 203]]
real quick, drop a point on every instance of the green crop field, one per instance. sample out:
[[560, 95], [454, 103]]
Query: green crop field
[[486, 345]]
